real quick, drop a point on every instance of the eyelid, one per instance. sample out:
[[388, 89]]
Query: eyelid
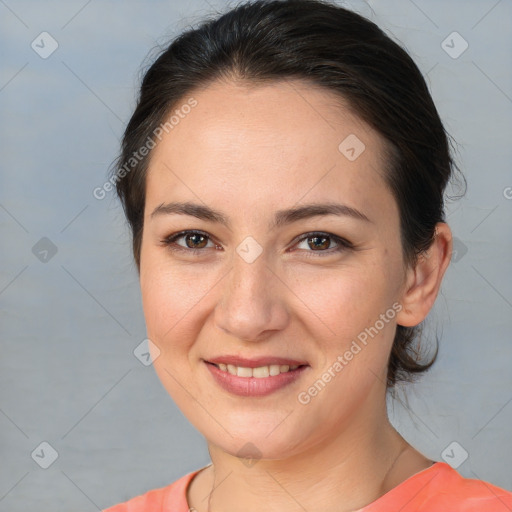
[[343, 244], [168, 240], [338, 239]]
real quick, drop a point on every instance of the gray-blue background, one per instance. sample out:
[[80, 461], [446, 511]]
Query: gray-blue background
[[69, 323]]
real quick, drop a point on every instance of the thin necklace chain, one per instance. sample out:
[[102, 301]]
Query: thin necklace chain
[[211, 492]]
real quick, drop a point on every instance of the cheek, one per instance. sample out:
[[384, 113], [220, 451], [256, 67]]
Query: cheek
[[343, 318], [170, 299], [345, 299], [170, 295]]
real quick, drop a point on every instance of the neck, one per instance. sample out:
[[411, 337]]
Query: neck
[[342, 474]]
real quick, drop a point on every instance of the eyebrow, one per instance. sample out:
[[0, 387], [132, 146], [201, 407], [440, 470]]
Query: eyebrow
[[281, 218]]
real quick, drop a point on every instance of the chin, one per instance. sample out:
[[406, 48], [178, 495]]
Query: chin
[[265, 441], [253, 448]]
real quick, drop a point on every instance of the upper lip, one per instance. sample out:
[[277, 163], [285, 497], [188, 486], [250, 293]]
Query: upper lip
[[255, 362]]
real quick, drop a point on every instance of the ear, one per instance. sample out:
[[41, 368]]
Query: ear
[[423, 281]]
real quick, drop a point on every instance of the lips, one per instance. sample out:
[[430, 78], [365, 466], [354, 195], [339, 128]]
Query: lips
[[254, 377]]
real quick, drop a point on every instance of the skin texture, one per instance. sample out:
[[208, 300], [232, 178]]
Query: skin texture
[[248, 151]]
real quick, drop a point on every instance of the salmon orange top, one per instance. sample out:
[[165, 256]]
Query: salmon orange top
[[439, 488]]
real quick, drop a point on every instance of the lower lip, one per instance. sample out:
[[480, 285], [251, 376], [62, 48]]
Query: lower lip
[[251, 386]]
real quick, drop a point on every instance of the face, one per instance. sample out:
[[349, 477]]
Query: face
[[237, 267]]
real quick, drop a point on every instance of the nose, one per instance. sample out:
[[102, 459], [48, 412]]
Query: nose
[[253, 301]]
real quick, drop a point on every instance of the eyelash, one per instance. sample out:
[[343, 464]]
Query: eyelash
[[343, 244]]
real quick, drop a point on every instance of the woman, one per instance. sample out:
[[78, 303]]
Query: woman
[[283, 176]]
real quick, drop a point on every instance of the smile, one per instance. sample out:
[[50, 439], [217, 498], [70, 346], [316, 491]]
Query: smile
[[257, 380]]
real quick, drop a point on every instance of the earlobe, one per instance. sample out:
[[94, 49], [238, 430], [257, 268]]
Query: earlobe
[[423, 282]]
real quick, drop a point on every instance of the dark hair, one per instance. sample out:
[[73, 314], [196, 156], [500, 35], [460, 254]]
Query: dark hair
[[331, 47]]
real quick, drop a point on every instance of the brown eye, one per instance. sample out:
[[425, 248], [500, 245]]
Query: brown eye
[[195, 240], [191, 241], [323, 244], [319, 242]]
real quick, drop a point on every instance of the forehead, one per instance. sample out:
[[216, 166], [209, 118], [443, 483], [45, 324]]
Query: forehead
[[278, 141], [278, 115]]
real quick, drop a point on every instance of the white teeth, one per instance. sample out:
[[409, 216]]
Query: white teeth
[[262, 371], [243, 372], [259, 373], [274, 370]]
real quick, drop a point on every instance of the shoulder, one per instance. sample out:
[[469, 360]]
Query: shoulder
[[172, 497], [441, 487]]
